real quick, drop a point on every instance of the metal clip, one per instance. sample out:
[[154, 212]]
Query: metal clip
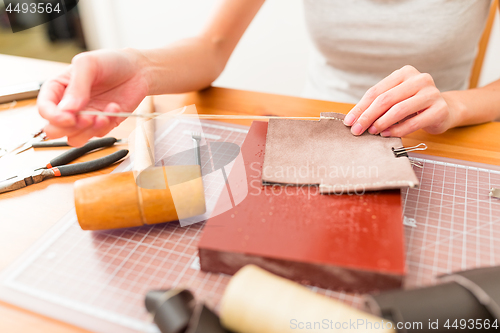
[[495, 192], [417, 164], [402, 151]]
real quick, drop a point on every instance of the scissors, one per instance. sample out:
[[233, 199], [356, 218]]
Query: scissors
[[58, 168], [38, 141], [39, 136]]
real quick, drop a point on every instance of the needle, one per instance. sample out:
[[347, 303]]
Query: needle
[[197, 116]]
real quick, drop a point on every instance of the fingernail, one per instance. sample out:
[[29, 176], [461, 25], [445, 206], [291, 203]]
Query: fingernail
[[386, 133], [68, 103], [357, 129], [349, 119], [372, 130]]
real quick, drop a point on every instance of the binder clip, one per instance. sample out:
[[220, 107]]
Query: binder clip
[[495, 193], [417, 164], [403, 151]]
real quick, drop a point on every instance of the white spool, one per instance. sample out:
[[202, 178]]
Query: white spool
[[256, 301]]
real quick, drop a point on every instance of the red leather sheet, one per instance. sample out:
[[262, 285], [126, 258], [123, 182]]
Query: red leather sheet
[[340, 242]]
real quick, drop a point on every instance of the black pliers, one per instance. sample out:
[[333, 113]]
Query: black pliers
[[58, 168]]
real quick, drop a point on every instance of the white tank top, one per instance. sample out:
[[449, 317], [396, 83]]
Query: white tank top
[[359, 42]]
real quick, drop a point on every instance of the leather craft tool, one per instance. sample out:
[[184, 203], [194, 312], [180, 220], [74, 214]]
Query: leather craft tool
[[342, 242], [197, 116], [39, 136], [197, 153], [257, 301], [39, 143], [468, 300], [147, 194], [57, 143], [403, 151], [57, 167], [114, 201], [176, 311]]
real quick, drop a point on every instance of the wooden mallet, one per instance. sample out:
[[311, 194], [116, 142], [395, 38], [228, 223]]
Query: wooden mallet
[[147, 195]]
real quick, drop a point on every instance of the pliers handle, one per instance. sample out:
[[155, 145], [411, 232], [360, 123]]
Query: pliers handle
[[90, 166], [74, 153], [57, 167]]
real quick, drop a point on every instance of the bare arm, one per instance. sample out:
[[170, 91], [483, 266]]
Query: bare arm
[[118, 80], [475, 106], [194, 63]]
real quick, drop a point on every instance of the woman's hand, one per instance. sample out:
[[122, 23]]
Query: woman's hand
[[402, 103], [117, 81], [110, 81]]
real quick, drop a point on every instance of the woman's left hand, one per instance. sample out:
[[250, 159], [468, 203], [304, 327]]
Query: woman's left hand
[[404, 93]]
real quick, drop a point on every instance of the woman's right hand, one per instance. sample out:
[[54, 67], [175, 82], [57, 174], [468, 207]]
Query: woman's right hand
[[110, 81]]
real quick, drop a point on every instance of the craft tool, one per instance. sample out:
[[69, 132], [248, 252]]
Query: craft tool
[[25, 145], [176, 311], [284, 306], [56, 143], [462, 300], [195, 116], [19, 92], [403, 151], [157, 195], [98, 280], [196, 141], [255, 293], [97, 143], [416, 164], [144, 196], [291, 231], [57, 167]]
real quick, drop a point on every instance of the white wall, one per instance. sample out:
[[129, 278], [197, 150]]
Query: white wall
[[491, 66], [271, 57]]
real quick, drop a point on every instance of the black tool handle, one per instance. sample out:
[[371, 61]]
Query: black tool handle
[[74, 153], [50, 144], [100, 163]]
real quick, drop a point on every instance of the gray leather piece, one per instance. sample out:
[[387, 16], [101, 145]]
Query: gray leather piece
[[325, 153]]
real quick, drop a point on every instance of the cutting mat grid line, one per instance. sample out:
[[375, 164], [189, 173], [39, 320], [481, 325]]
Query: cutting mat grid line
[[106, 274]]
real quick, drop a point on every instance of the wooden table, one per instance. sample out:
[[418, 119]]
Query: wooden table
[[28, 213]]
